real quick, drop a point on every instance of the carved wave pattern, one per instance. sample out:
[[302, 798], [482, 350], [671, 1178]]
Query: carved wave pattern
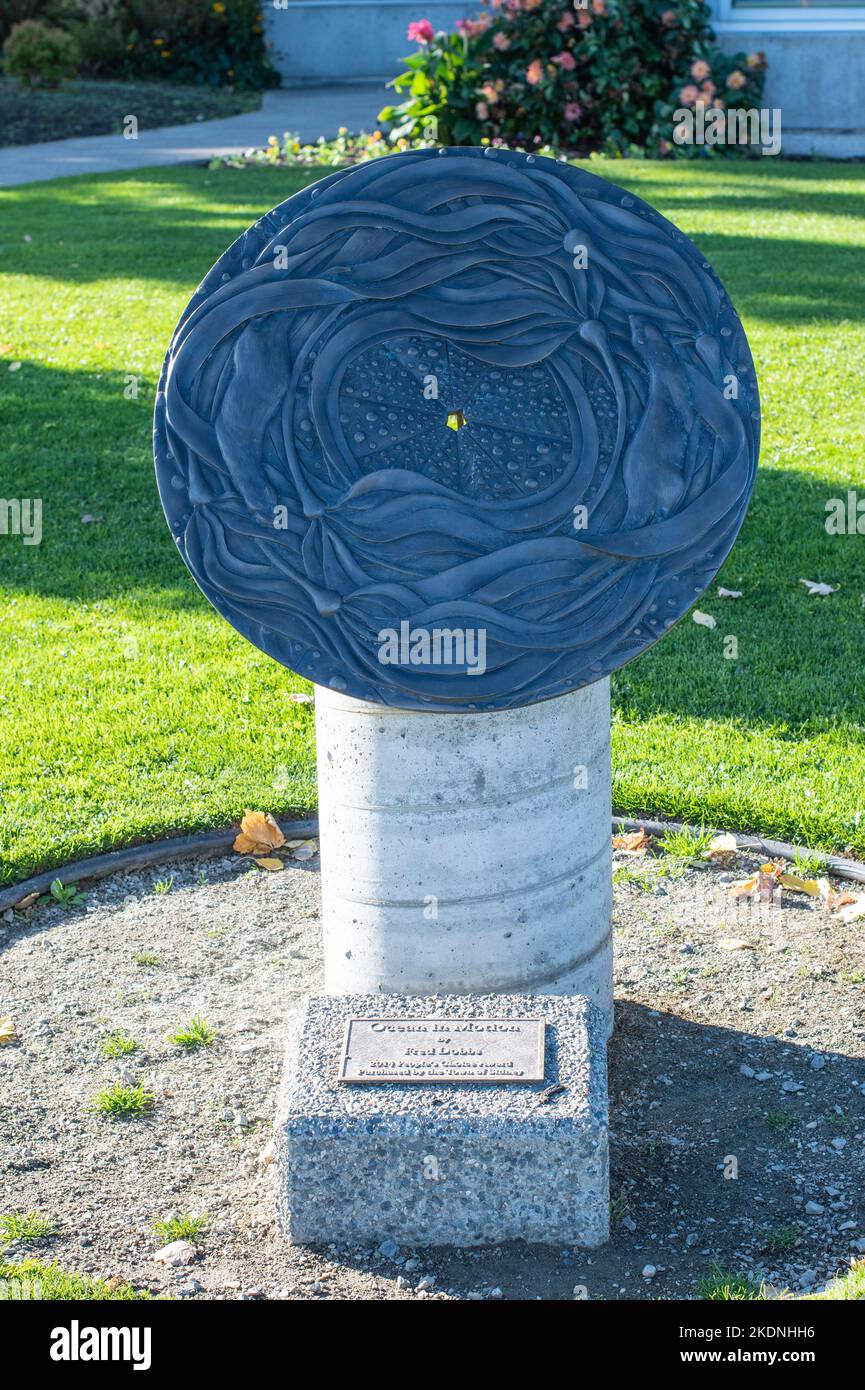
[[318, 494]]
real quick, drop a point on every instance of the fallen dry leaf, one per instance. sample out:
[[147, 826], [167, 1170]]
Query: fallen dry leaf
[[800, 885], [734, 943], [298, 698], [832, 899], [853, 911], [743, 887], [633, 841], [8, 1032], [27, 901], [815, 587], [308, 850], [729, 593], [704, 619], [274, 865], [259, 833], [722, 846]]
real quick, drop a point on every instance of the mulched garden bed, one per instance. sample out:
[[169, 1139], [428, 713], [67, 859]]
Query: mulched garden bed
[[99, 108]]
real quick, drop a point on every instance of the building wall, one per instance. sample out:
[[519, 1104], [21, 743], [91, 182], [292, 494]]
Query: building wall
[[351, 40], [816, 78]]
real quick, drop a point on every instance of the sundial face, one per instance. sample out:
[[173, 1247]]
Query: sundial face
[[458, 429]]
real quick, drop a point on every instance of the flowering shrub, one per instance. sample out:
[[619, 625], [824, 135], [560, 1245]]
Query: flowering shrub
[[217, 42], [581, 76], [716, 81], [220, 42]]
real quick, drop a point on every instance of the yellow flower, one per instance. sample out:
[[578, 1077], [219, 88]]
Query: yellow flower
[[158, 42], [272, 140], [376, 135], [219, 8]]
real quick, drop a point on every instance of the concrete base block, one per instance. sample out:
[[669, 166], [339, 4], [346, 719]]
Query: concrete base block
[[460, 1163]]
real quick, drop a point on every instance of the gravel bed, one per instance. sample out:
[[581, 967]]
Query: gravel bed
[[737, 1090]]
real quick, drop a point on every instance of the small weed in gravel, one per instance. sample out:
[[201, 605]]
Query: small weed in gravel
[[117, 1045], [164, 885], [780, 1240], [181, 1227], [26, 1225], [126, 1101], [66, 895], [779, 1120], [807, 865], [720, 1284], [145, 958], [194, 1034], [686, 844], [34, 1279]]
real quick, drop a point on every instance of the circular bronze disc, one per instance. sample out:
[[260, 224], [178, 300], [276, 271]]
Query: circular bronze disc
[[457, 429]]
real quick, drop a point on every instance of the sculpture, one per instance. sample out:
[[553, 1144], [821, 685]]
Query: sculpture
[[466, 391]]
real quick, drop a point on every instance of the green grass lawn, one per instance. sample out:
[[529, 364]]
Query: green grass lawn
[[128, 709]]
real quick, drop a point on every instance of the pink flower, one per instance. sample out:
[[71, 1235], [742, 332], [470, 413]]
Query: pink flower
[[470, 28], [736, 79], [565, 60], [534, 72], [599, 7], [718, 103], [584, 19], [708, 90], [573, 111], [668, 18], [700, 69], [489, 92], [501, 42], [689, 95], [566, 22], [421, 31]]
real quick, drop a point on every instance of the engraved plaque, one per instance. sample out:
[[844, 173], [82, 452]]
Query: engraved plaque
[[494, 1050]]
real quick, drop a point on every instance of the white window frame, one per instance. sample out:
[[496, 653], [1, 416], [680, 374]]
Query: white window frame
[[729, 17]]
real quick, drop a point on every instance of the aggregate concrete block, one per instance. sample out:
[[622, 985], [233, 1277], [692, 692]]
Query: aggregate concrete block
[[456, 1163]]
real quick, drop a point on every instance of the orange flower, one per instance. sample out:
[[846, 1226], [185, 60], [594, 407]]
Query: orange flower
[[534, 72]]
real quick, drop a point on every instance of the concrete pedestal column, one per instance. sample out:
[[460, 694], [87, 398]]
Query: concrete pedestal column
[[466, 853]]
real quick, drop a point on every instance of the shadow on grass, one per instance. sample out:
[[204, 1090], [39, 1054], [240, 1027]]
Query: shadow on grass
[[171, 225]]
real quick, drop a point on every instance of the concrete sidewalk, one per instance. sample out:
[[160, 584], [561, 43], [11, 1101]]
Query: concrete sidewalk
[[308, 111]]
